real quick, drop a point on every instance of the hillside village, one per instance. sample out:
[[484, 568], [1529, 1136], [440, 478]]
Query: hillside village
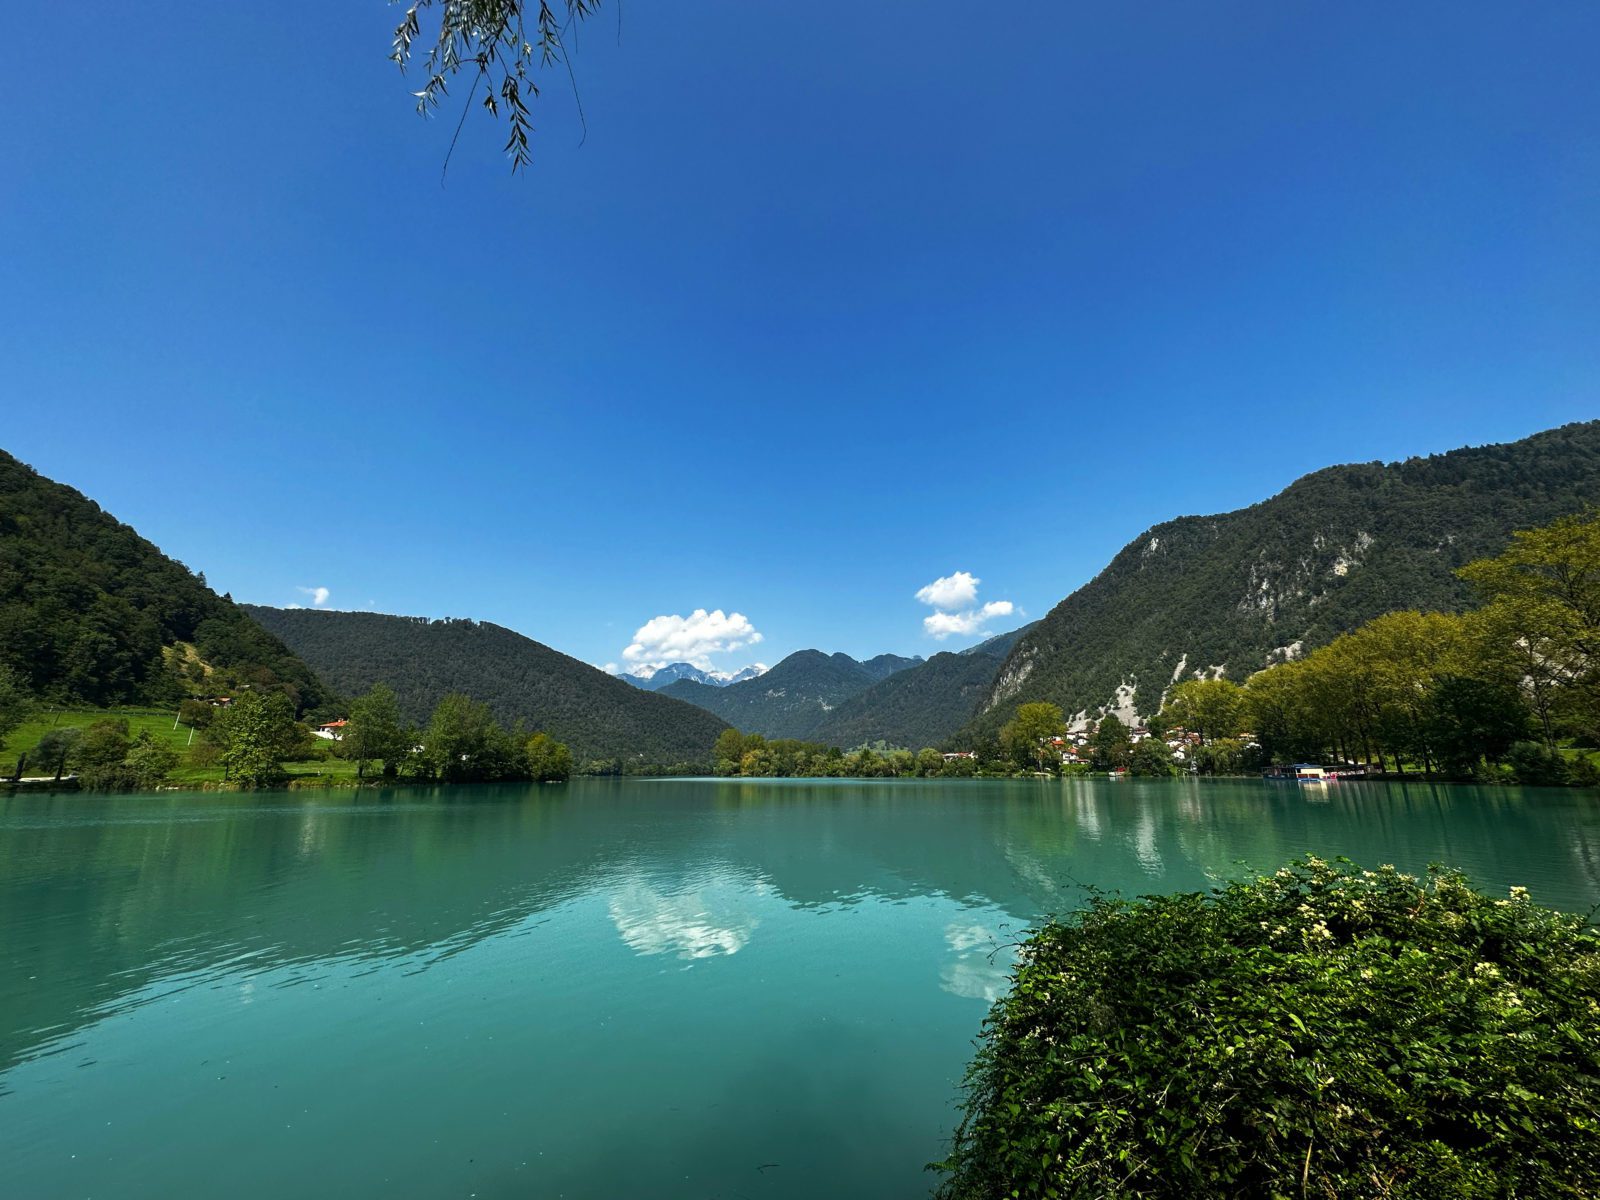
[[1074, 747]]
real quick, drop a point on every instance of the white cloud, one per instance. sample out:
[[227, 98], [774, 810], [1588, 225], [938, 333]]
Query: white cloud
[[319, 595], [970, 619], [941, 625], [611, 669], [956, 590], [954, 599], [692, 639]]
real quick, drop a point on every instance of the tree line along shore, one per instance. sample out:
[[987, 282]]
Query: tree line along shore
[[253, 741], [1506, 692]]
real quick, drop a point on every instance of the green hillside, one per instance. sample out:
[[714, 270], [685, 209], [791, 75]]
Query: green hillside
[[922, 704], [918, 707], [161, 725], [882, 666], [790, 700], [1000, 644], [1231, 593], [87, 608], [597, 715]]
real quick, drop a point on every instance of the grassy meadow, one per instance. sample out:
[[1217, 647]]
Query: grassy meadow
[[192, 770]]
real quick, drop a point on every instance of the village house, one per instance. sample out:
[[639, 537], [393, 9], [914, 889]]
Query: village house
[[1182, 743], [331, 731]]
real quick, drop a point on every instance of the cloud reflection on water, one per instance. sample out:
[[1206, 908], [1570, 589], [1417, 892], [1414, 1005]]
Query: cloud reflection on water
[[981, 969], [701, 922]]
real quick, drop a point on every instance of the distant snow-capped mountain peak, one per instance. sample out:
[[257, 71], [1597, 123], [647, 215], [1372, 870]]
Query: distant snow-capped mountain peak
[[655, 678]]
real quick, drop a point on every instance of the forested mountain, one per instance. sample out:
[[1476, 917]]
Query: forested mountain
[[884, 665], [915, 708], [1232, 593], [92, 613], [792, 698], [921, 705], [597, 715], [1000, 644]]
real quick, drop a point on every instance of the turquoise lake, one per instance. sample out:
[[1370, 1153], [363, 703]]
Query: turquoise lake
[[675, 988]]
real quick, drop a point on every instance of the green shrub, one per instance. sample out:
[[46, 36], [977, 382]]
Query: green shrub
[[1581, 771], [1152, 756], [99, 757], [548, 761], [1322, 1032], [149, 762], [1538, 765]]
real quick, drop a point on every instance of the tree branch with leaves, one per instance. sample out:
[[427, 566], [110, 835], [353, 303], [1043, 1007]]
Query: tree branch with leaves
[[502, 44]]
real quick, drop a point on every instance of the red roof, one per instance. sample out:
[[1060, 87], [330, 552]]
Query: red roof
[[339, 724]]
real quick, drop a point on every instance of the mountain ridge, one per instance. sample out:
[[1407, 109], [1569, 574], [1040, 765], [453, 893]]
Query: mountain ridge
[[672, 672], [522, 680], [921, 705], [791, 698], [92, 612], [1230, 593]]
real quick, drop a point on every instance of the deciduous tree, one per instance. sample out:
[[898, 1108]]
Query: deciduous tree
[[55, 748], [1544, 591], [1151, 756], [1111, 744], [549, 761], [196, 714], [1028, 734], [255, 734], [15, 700], [1471, 719], [373, 732], [149, 762], [458, 732], [98, 757], [1209, 707], [728, 752]]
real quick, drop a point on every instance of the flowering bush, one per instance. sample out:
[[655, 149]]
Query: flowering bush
[[1322, 1032]]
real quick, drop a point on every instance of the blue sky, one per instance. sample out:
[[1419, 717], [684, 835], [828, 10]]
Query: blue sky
[[832, 302]]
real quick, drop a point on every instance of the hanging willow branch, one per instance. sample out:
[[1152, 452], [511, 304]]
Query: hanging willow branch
[[502, 43]]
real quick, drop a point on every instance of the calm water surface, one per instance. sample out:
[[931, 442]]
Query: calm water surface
[[664, 989]]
